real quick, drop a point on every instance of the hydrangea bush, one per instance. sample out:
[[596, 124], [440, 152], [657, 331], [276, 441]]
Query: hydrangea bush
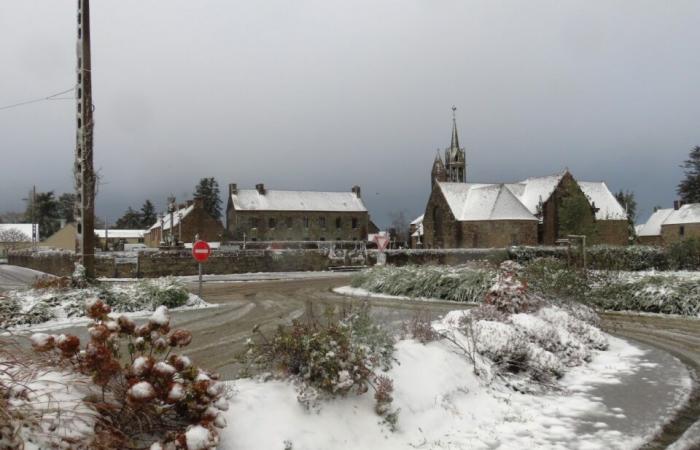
[[150, 394]]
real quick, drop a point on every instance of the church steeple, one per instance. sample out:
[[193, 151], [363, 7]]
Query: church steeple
[[455, 138], [439, 173], [455, 161]]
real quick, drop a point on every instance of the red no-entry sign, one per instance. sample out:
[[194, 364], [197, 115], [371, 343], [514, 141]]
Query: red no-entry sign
[[201, 251]]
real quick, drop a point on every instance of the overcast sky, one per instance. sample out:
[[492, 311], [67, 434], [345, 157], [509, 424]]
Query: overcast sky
[[324, 94]]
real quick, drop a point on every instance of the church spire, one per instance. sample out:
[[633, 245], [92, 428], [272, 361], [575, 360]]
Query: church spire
[[455, 138]]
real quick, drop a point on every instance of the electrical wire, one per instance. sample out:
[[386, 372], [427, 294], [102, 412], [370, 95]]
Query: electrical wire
[[36, 100]]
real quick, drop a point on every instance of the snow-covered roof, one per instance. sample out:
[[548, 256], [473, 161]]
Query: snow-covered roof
[[24, 228], [599, 195], [470, 202], [535, 190], [418, 220], [689, 213], [177, 215], [120, 234], [273, 200], [653, 226]]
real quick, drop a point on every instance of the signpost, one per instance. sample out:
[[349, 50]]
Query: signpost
[[200, 253], [382, 241]]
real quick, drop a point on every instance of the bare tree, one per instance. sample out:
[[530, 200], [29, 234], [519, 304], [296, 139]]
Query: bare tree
[[399, 227], [12, 235]]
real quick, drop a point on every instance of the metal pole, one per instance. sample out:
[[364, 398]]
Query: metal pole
[[200, 280], [83, 168]]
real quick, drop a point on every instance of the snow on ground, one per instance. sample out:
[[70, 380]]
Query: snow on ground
[[444, 405], [364, 293], [48, 410], [690, 439]]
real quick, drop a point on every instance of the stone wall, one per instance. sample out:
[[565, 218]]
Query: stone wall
[[450, 257], [612, 232], [672, 233]]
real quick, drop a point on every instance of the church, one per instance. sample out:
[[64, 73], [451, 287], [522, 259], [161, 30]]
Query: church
[[534, 211]]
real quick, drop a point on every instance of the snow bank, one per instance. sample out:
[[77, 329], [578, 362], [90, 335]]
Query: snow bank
[[443, 405]]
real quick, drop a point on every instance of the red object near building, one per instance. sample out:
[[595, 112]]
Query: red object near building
[[201, 251]]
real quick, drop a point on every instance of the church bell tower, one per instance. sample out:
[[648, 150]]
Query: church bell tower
[[455, 160]]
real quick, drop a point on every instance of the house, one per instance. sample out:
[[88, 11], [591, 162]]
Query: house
[[63, 239], [14, 236], [183, 224], [667, 226], [115, 239], [649, 233], [537, 210], [263, 214]]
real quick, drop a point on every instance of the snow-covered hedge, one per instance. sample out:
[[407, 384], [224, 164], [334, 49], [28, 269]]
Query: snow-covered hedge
[[35, 306], [448, 283]]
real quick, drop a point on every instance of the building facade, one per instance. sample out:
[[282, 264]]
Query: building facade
[[671, 225], [261, 214], [184, 224], [538, 210]]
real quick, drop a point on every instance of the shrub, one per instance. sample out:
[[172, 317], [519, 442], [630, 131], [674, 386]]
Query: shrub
[[457, 284], [633, 258], [685, 255], [333, 358], [420, 328], [149, 394]]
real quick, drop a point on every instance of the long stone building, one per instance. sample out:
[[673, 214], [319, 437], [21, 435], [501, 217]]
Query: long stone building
[[538, 210], [667, 226], [263, 214], [184, 224]]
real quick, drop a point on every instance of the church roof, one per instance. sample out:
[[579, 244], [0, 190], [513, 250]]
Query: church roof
[[600, 196], [689, 213], [535, 190], [472, 202], [274, 200], [653, 226]]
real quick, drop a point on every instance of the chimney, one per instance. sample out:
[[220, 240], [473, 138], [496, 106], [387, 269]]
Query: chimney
[[232, 189], [356, 191], [676, 204], [198, 203], [260, 187]]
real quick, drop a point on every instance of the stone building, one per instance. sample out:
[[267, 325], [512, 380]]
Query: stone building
[[538, 210], [263, 214], [666, 226], [186, 222]]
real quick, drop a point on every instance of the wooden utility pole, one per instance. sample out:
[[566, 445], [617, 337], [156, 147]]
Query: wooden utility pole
[[83, 169]]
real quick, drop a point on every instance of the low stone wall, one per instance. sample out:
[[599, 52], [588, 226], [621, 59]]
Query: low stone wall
[[447, 257]]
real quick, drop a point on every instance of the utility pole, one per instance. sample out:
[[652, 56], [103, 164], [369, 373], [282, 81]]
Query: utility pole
[[83, 168]]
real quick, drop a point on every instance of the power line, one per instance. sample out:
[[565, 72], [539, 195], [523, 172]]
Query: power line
[[36, 100]]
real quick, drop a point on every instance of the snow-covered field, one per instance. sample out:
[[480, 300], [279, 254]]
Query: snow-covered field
[[444, 405]]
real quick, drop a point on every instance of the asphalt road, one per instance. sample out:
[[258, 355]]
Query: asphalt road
[[14, 277]]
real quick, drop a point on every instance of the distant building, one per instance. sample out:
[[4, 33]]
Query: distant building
[[667, 226], [529, 212], [115, 239], [186, 222], [415, 231], [262, 214]]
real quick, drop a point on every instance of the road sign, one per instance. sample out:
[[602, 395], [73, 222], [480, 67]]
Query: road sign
[[381, 241], [201, 251]]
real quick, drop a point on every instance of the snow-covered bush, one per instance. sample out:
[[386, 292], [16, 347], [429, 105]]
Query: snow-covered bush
[[633, 257], [685, 254], [150, 395], [510, 293], [334, 357], [54, 300], [461, 284]]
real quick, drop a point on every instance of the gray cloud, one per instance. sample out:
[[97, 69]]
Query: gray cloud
[[323, 94]]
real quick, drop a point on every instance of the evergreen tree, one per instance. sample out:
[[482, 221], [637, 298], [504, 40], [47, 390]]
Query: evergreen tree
[[131, 220], [66, 207], [629, 203], [45, 212], [208, 189], [148, 214], [689, 187]]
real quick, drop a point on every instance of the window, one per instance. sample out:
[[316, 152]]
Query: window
[[306, 221], [322, 238], [354, 223], [290, 222], [322, 222], [681, 231], [271, 222], [338, 223], [253, 222]]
